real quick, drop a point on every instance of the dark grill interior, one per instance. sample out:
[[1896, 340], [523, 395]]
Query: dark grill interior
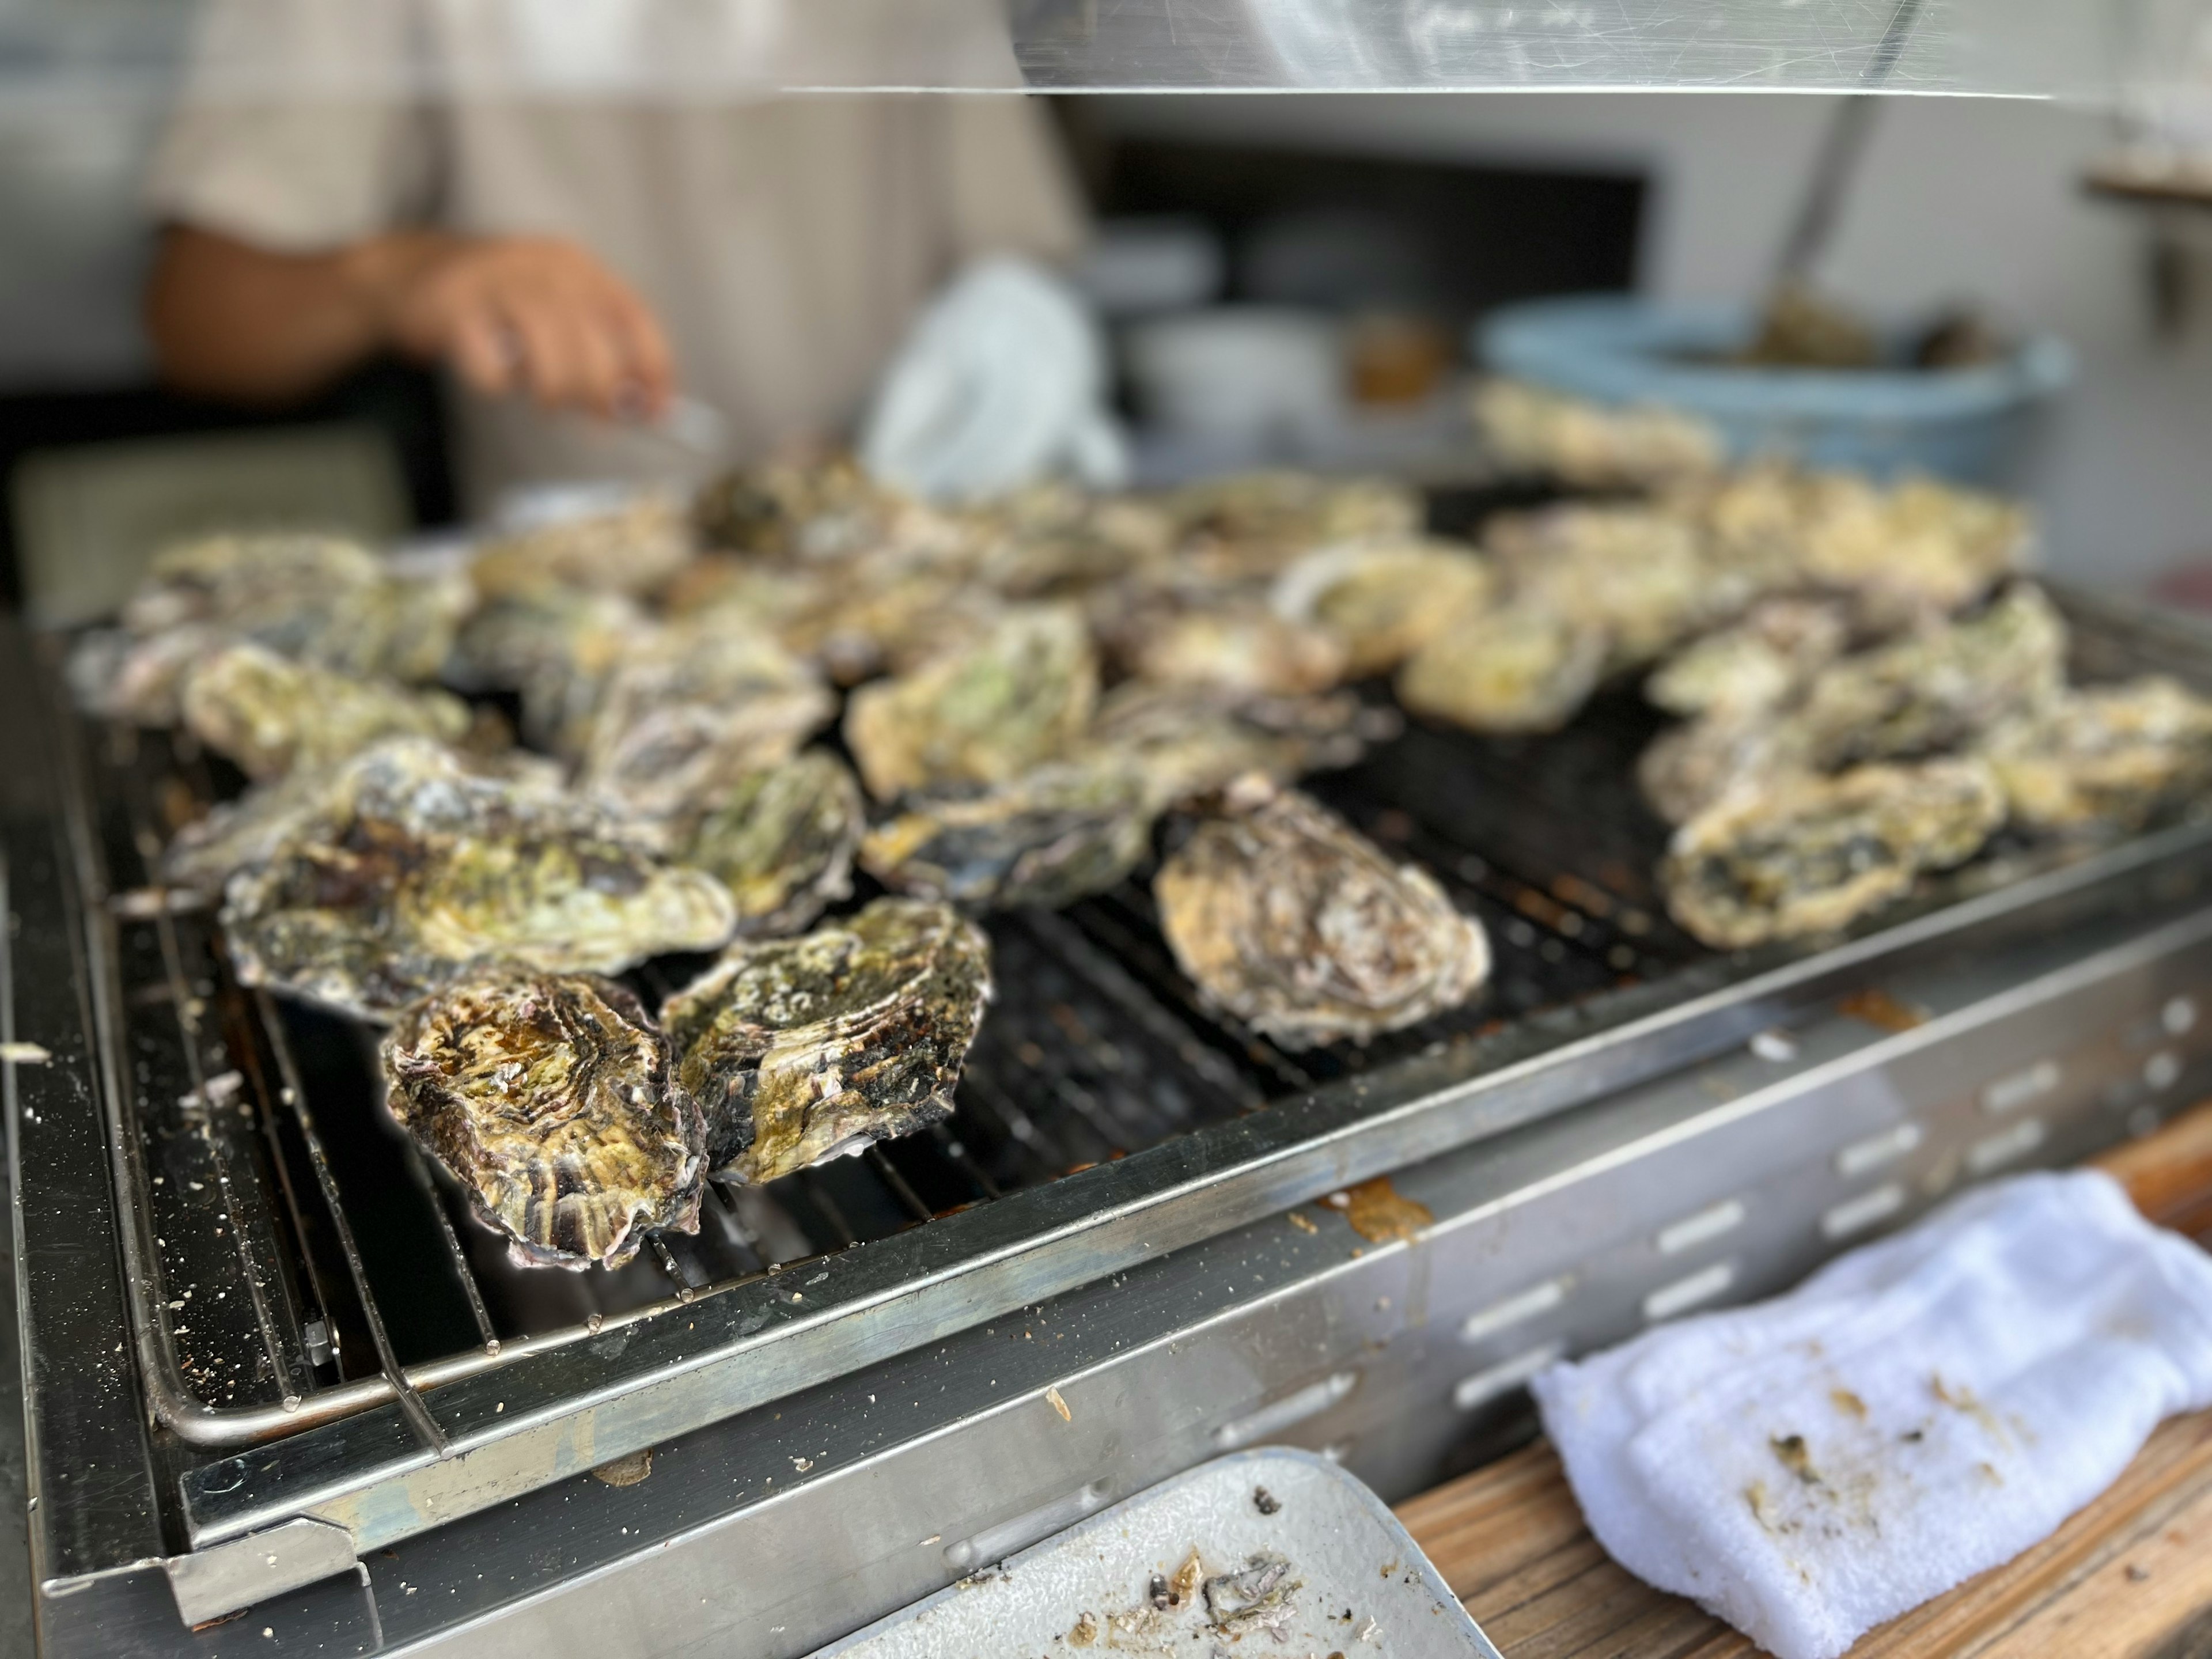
[[276, 1275]]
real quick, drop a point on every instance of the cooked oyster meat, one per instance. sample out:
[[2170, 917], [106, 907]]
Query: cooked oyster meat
[[1811, 853], [269, 713], [1294, 922], [1046, 838], [1384, 600], [1934, 689], [633, 547], [2105, 760], [697, 706], [780, 838], [983, 713], [1519, 668], [1761, 661], [804, 1049], [547, 1097], [410, 870]]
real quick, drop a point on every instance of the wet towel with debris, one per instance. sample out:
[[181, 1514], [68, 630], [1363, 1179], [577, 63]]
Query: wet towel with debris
[[1919, 1410]]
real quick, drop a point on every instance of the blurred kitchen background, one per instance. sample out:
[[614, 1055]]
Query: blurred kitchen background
[[1394, 223]]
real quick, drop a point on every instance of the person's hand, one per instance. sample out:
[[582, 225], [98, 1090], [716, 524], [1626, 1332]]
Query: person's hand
[[531, 315]]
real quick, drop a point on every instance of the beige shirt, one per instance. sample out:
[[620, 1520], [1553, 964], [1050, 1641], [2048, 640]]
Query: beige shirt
[[786, 243]]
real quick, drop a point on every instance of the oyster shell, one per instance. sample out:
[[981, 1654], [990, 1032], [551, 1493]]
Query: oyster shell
[[2105, 760], [633, 548], [1812, 854], [1523, 667], [1638, 574], [1303, 928], [319, 600], [1594, 446], [780, 839], [547, 1097], [1688, 768], [1047, 837], [1191, 740], [800, 1049], [983, 713], [1239, 644], [559, 647], [411, 870], [1384, 600], [1917, 548], [1936, 689], [697, 705], [1286, 513], [1051, 542], [826, 510], [1761, 662], [270, 713]]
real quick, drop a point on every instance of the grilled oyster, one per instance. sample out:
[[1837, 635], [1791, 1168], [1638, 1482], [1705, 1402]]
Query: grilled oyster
[[1936, 689], [269, 713], [800, 1049], [1384, 600], [827, 509], [1918, 548], [632, 549], [1692, 767], [2107, 760], [558, 647], [1761, 662], [697, 706], [1294, 922], [1523, 667], [319, 600], [1812, 854], [1190, 740], [1047, 837], [1594, 446], [411, 870], [547, 1097], [1293, 512], [982, 713], [1239, 644], [1052, 542], [1638, 573], [780, 838]]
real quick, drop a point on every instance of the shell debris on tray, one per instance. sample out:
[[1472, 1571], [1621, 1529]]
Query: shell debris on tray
[[269, 713], [1811, 854], [410, 869], [780, 838], [549, 1099], [2105, 760], [801, 1049], [1285, 915], [1047, 837], [984, 712]]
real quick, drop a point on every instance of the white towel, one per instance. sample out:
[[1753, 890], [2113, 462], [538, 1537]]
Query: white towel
[[1919, 1410]]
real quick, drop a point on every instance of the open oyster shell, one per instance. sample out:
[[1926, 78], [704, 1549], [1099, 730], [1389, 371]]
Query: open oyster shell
[[780, 838], [1812, 854], [696, 706], [2105, 760], [410, 869], [1384, 600], [547, 1096], [1521, 668], [984, 712], [803, 1048], [1047, 837], [1303, 928], [269, 713]]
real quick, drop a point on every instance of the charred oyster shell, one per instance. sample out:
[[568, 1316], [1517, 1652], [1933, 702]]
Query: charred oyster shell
[[1384, 600], [411, 870], [2105, 760], [803, 1048], [696, 707], [1523, 667], [1811, 853], [547, 1096], [1303, 928], [781, 839], [983, 713], [1046, 838], [270, 713]]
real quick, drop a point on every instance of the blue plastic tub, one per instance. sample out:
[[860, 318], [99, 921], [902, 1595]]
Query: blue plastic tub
[[1964, 423]]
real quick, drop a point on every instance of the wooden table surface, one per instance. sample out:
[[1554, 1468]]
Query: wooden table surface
[[2128, 1577]]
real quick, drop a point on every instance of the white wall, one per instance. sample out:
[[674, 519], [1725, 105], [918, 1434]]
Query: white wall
[[1956, 199]]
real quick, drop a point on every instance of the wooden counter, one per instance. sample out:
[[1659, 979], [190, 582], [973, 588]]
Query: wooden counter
[[2128, 1577]]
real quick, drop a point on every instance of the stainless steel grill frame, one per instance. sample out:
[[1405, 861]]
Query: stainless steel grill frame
[[366, 1455]]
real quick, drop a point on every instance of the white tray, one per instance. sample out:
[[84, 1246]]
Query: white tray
[[1364, 1589]]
